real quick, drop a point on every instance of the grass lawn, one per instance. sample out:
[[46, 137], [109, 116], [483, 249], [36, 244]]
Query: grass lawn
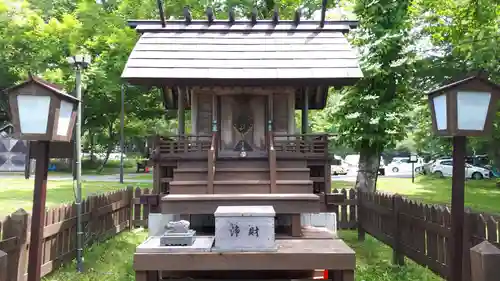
[[373, 261], [18, 193], [480, 195]]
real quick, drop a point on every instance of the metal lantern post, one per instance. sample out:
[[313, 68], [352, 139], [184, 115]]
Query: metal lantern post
[[42, 113], [461, 109], [79, 62], [413, 160]]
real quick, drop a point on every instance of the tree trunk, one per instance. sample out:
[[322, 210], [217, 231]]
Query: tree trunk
[[369, 163], [111, 146]]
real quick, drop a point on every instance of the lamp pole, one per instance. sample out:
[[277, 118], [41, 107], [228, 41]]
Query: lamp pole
[[122, 124], [79, 62], [457, 206], [78, 164]]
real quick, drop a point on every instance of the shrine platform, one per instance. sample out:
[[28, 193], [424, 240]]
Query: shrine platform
[[295, 258]]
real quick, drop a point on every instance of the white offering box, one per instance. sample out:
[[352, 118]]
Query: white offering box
[[244, 228]]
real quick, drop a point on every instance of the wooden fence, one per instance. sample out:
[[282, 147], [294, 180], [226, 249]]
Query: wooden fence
[[421, 232], [103, 217]]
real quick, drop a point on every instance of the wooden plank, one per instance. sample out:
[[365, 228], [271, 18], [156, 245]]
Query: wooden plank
[[332, 48], [220, 55], [431, 227], [431, 215], [243, 64], [137, 206], [352, 207], [3, 265], [208, 42], [322, 253], [492, 228], [241, 35], [425, 260], [243, 27], [343, 211]]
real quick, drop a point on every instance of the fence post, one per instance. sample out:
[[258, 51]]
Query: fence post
[[485, 259], [361, 230], [130, 198], [3, 266], [397, 256], [17, 226], [467, 245]]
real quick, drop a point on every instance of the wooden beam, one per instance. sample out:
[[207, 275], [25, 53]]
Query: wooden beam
[[181, 111], [305, 110]]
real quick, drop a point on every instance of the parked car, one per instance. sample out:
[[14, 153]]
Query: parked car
[[444, 168], [351, 164], [338, 170], [403, 164]]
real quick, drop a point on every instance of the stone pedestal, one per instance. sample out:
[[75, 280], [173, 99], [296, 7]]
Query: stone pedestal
[[244, 228], [178, 239], [157, 223]]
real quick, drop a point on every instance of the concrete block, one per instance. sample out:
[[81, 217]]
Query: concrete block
[[178, 239], [244, 228], [327, 220], [152, 245]]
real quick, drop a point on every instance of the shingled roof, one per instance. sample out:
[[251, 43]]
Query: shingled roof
[[242, 54]]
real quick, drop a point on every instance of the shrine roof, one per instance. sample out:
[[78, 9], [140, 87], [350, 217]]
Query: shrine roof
[[242, 53]]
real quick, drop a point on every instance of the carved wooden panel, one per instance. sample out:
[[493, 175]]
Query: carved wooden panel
[[280, 113]]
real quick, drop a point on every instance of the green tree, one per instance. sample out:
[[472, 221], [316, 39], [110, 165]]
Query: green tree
[[372, 114]]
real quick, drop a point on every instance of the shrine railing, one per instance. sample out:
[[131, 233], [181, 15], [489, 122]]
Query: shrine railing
[[301, 146], [182, 147]]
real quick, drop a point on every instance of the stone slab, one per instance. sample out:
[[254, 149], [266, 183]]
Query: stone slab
[[245, 211], [152, 245]]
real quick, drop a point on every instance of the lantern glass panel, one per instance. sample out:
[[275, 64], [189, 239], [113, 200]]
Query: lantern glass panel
[[64, 118], [472, 109], [440, 112], [33, 113]]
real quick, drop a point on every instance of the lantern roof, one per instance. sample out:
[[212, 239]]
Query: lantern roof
[[480, 77], [54, 88]]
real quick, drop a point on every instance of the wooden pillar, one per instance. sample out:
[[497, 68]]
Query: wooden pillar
[[194, 113], [181, 110], [305, 111], [291, 114]]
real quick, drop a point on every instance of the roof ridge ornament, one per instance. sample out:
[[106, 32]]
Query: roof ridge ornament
[[276, 15], [160, 10], [187, 15], [298, 15], [231, 15], [323, 13], [254, 16], [210, 15]]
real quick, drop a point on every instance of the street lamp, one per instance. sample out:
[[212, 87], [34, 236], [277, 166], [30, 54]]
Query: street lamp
[[461, 109], [41, 112], [79, 62]]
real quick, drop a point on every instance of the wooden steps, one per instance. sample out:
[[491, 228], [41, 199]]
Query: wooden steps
[[240, 186], [284, 203]]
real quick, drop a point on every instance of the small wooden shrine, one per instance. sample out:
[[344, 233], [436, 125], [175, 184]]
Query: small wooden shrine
[[242, 82]]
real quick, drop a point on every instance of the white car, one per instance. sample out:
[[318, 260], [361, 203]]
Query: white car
[[444, 168], [351, 164], [403, 164]]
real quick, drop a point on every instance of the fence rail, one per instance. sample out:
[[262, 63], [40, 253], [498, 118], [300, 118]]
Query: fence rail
[[103, 216], [421, 232], [418, 231]]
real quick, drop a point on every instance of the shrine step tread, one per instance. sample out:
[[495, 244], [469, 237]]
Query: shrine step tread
[[238, 169], [263, 196], [243, 182]]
